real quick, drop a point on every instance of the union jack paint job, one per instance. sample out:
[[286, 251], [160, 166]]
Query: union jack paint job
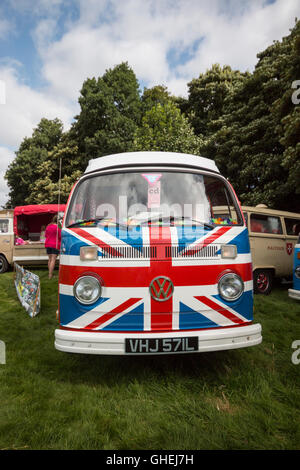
[[126, 304], [183, 264]]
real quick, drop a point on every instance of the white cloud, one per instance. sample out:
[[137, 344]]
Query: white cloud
[[22, 111], [24, 108], [37, 7], [44, 33], [143, 32], [6, 157], [234, 37]]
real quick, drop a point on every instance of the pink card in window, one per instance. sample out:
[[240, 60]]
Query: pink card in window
[[153, 189], [154, 195]]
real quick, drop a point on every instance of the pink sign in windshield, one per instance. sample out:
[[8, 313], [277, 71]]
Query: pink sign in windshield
[[153, 189]]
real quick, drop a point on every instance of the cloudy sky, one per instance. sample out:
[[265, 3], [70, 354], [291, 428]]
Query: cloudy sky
[[49, 47]]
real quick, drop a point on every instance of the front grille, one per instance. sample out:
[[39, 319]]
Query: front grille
[[129, 252], [159, 252], [192, 252]]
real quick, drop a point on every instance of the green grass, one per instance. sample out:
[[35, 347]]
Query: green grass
[[239, 399]]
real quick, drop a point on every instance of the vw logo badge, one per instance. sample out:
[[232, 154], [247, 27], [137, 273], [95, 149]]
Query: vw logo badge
[[161, 288]]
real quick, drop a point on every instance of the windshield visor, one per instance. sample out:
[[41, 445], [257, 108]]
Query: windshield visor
[[151, 197]]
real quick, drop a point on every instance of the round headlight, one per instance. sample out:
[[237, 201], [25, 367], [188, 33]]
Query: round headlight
[[297, 272], [230, 286], [87, 290]]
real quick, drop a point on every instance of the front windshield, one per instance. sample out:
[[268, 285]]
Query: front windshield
[[152, 197]]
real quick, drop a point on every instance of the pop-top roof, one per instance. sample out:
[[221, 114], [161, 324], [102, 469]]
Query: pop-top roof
[[36, 210], [148, 158], [39, 209]]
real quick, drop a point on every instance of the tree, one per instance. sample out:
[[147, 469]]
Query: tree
[[51, 186], [110, 112], [164, 128], [287, 111], [247, 122], [158, 94], [256, 138], [207, 94], [32, 152]]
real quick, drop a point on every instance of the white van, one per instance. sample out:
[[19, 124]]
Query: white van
[[272, 240], [6, 239], [146, 267]]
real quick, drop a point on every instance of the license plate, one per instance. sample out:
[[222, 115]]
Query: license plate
[[161, 345]]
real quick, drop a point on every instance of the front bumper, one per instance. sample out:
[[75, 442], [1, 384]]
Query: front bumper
[[114, 343], [294, 294]]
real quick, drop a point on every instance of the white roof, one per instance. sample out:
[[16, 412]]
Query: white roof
[[161, 158]]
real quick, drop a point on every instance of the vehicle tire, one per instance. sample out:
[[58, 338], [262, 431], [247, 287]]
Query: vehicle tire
[[263, 281], [3, 264]]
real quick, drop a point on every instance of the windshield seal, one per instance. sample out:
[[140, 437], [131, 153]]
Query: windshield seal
[[154, 168]]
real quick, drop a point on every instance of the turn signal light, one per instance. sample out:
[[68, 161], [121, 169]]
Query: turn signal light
[[228, 251], [88, 253]]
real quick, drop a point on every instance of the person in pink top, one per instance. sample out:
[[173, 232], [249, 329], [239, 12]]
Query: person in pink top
[[52, 244]]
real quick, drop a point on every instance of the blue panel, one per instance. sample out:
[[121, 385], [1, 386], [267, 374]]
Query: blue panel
[[132, 236], [241, 241], [131, 321], [243, 306], [189, 319], [296, 281], [70, 309], [188, 235]]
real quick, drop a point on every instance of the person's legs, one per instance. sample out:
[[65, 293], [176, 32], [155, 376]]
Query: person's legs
[[51, 265]]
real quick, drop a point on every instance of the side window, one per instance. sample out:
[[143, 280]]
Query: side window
[[246, 218], [292, 226], [3, 225], [221, 203], [265, 224]]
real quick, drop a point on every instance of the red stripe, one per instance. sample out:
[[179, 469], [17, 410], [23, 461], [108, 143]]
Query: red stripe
[[220, 309], [107, 316], [141, 276], [104, 246], [161, 312]]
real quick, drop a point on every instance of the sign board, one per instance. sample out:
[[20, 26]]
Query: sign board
[[28, 290]]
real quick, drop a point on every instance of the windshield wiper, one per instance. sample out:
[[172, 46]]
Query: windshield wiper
[[201, 222], [95, 220], [173, 218], [144, 217]]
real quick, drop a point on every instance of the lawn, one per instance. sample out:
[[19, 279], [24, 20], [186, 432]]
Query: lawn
[[239, 399]]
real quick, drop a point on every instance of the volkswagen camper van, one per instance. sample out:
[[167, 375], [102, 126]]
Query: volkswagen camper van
[[146, 265]]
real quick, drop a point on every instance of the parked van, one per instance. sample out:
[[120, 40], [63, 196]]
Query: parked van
[[294, 293], [6, 239], [272, 239], [146, 267], [21, 234]]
